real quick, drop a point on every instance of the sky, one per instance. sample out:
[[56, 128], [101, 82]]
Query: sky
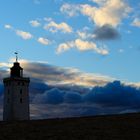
[[73, 46]]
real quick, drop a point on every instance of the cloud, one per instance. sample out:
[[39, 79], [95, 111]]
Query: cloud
[[62, 77], [8, 26], [106, 32], [82, 35], [121, 50], [70, 9], [54, 27], [1, 90], [64, 47], [85, 45], [4, 65], [110, 12], [72, 97], [57, 96], [100, 2], [135, 84], [82, 45], [136, 22], [62, 110], [38, 86], [24, 35], [114, 94], [113, 98], [53, 96], [35, 23], [85, 35], [104, 96], [43, 41], [48, 19], [59, 76]]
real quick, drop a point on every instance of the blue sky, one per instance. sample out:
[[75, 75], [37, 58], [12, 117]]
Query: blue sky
[[68, 48], [64, 28], [44, 19]]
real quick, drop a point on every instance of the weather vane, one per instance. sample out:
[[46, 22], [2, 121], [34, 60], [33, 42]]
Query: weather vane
[[16, 56]]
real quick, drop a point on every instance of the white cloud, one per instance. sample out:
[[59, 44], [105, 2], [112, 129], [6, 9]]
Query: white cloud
[[85, 35], [48, 19], [135, 84], [55, 75], [121, 50], [43, 41], [107, 12], [5, 65], [8, 26], [54, 27], [59, 76], [111, 12], [70, 9], [82, 34], [34, 23], [64, 47], [136, 22], [24, 35], [82, 46], [85, 45], [99, 1]]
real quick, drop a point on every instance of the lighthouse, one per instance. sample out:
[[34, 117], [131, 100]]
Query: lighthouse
[[16, 94]]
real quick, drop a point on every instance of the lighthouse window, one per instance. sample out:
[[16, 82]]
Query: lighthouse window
[[20, 100], [8, 91], [8, 100], [20, 91], [9, 83]]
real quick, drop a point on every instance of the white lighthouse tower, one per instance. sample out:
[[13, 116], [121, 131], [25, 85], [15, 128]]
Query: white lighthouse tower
[[16, 94]]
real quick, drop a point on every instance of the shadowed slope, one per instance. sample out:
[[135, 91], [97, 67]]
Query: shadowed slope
[[101, 127]]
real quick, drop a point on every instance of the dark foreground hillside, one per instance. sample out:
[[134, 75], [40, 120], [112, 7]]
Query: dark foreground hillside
[[119, 127]]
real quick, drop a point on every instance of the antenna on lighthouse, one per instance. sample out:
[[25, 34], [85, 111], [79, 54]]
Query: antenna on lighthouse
[[16, 56]]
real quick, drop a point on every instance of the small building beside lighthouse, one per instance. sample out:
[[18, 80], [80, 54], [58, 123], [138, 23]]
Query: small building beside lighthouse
[[16, 95]]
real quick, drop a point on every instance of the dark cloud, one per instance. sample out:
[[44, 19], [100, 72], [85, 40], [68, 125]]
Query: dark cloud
[[114, 94], [66, 100], [3, 73], [63, 78], [106, 32], [58, 76], [50, 102], [1, 89], [57, 96], [63, 110], [112, 98], [53, 96], [38, 86], [72, 97]]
